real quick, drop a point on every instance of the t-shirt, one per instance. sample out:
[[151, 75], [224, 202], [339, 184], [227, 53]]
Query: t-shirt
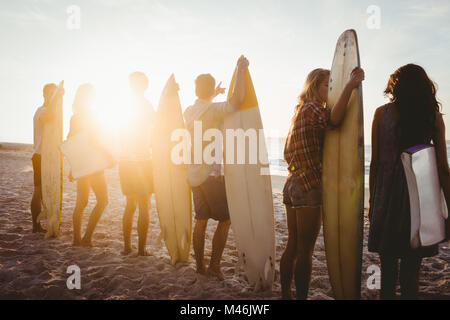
[[136, 136], [38, 130], [211, 114]]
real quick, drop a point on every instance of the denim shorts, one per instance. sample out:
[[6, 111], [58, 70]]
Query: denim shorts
[[295, 197], [210, 200]]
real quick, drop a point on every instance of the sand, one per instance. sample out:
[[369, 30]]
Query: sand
[[34, 268]]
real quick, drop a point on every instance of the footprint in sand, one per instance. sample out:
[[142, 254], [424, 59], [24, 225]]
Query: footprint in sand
[[27, 169]]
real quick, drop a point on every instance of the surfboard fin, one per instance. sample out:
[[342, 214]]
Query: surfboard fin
[[267, 268]]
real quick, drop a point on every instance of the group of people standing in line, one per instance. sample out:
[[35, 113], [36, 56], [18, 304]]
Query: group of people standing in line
[[412, 117], [135, 164]]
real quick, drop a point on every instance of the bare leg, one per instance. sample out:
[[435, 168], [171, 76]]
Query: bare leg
[[36, 205], [127, 223], [143, 222], [98, 184], [389, 273], [409, 277], [218, 244], [308, 228], [199, 244], [289, 256], [83, 188]]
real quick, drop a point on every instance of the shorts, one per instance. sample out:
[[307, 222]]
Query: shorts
[[210, 200], [136, 178], [36, 159], [295, 197]]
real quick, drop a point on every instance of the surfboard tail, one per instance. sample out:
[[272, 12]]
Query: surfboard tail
[[52, 227]]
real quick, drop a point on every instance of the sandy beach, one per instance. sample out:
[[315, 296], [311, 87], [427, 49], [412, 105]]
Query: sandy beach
[[34, 268]]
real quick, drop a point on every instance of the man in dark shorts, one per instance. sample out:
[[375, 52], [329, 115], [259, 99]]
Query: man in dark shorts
[[207, 180], [41, 117], [135, 165]]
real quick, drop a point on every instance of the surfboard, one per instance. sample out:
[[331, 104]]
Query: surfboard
[[428, 209], [84, 158], [249, 189], [343, 177], [51, 168], [170, 178]]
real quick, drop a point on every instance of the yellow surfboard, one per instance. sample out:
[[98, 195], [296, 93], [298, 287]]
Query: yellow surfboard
[[343, 177], [249, 190], [172, 190]]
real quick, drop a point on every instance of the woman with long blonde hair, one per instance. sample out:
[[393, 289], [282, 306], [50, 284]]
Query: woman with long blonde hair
[[302, 192]]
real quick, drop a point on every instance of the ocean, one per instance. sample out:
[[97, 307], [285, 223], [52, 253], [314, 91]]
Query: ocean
[[278, 167]]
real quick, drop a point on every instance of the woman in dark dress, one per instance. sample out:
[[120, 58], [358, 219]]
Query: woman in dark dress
[[410, 119]]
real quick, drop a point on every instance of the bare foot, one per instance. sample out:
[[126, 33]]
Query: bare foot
[[215, 272], [127, 251], [39, 229], [286, 296], [201, 269], [143, 253], [87, 243]]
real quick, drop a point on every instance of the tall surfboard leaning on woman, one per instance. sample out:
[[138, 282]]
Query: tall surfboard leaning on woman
[[302, 192], [343, 177]]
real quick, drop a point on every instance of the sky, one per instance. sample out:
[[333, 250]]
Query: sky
[[283, 40]]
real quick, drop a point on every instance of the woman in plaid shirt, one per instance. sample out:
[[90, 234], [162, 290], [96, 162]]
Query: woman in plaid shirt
[[302, 193]]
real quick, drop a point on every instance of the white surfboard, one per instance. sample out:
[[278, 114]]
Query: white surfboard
[[84, 158], [172, 190], [249, 191], [427, 201], [51, 168]]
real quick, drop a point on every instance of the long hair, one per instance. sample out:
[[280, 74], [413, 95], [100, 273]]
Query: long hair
[[83, 98], [414, 95], [310, 88]]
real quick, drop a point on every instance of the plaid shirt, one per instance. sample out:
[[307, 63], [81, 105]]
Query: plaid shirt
[[304, 144]]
